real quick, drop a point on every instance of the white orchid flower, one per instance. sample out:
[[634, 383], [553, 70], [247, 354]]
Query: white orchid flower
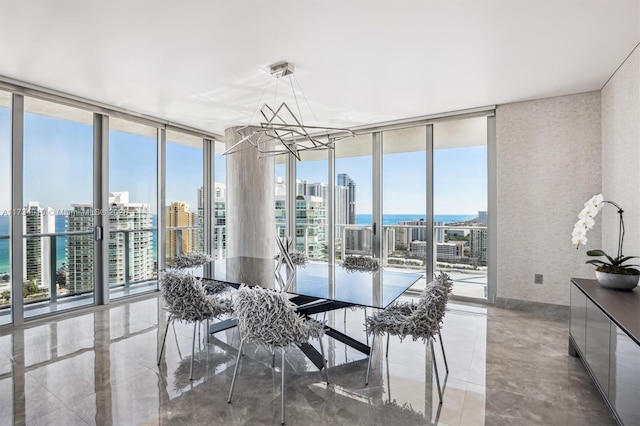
[[596, 202], [579, 232], [588, 211], [580, 239], [585, 222]]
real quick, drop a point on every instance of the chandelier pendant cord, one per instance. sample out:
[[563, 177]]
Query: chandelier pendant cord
[[306, 100]]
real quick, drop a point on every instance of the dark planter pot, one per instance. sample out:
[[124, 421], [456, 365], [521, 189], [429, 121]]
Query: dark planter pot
[[617, 281]]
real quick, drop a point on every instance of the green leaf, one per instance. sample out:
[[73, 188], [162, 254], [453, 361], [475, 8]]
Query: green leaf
[[596, 262], [624, 259], [601, 253]]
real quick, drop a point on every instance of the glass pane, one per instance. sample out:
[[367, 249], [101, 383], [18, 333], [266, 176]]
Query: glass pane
[[220, 202], [311, 204], [58, 211], [353, 218], [404, 198], [5, 207], [184, 195], [460, 203], [133, 153], [281, 194]]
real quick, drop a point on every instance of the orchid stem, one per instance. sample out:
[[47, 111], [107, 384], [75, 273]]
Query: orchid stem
[[620, 229]]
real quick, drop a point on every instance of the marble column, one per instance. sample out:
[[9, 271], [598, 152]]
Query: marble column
[[250, 210]]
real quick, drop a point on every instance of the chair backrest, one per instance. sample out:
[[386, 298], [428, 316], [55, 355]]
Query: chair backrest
[[186, 299], [430, 311], [268, 318], [191, 260]]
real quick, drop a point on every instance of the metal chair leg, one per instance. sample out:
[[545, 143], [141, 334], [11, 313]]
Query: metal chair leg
[[324, 360], [435, 368], [388, 335], [446, 366], [282, 388], [366, 331], [164, 340], [373, 340], [193, 349], [235, 370], [345, 320]]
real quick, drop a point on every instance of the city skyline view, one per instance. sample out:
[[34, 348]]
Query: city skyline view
[[456, 170]]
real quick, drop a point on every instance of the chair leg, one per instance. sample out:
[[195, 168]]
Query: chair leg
[[282, 388], [324, 360], [345, 320], [207, 331], [373, 340], [387, 354], [164, 340], [235, 370], [366, 331], [446, 366], [435, 369], [193, 349]]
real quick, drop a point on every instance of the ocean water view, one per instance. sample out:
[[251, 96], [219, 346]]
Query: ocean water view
[[392, 219], [61, 242]]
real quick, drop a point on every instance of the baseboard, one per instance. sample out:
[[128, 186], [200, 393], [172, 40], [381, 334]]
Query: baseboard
[[555, 311]]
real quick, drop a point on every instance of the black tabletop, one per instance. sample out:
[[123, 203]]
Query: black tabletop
[[321, 280]]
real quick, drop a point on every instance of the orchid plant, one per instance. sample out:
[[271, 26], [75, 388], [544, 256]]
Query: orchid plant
[[614, 265]]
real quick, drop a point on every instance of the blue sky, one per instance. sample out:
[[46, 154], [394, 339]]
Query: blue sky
[[460, 180], [59, 158]]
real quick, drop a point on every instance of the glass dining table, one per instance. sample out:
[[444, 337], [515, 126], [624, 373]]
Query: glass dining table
[[316, 287]]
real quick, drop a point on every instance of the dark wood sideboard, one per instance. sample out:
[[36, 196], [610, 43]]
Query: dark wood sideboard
[[604, 331]]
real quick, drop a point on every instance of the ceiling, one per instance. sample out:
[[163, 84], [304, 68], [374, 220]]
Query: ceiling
[[206, 63]]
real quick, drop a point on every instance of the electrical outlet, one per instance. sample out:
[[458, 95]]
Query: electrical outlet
[[537, 278]]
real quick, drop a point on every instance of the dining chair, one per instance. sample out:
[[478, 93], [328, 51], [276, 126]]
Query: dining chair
[[352, 264], [186, 300], [420, 320], [268, 318]]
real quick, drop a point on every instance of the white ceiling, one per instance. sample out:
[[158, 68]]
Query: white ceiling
[[205, 63]]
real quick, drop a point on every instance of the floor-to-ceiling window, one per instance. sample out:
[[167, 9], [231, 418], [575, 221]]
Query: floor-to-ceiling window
[[5, 207], [460, 204], [184, 195], [311, 234], [58, 207], [133, 207], [281, 194], [404, 198], [353, 196], [220, 202]]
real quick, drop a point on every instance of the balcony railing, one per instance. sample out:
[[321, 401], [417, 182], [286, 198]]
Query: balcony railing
[[51, 283]]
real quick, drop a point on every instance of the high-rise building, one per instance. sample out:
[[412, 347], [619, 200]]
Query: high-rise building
[[479, 244], [419, 233], [311, 223], [137, 245], [450, 252], [131, 250], [482, 216], [220, 220], [179, 241], [343, 179], [79, 249], [37, 250], [198, 220]]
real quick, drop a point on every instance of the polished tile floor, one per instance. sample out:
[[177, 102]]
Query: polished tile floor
[[100, 367]]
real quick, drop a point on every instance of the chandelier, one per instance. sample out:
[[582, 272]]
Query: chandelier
[[281, 131]]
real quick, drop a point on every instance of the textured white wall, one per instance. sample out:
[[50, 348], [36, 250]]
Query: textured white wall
[[621, 155], [548, 165]]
